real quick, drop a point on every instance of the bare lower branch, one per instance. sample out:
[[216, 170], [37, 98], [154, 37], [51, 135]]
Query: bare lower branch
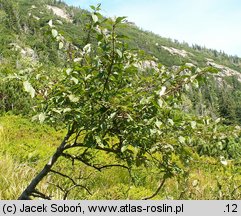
[[233, 192], [97, 167], [114, 165], [37, 193], [71, 188], [58, 186], [63, 175], [72, 180], [68, 190], [157, 191], [81, 145]]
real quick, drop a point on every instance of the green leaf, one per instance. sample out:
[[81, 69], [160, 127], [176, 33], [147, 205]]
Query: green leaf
[[223, 161], [124, 148], [97, 8], [195, 183], [28, 88], [41, 117], [54, 33], [87, 48], [122, 37], [92, 7], [73, 98], [162, 91], [181, 139], [87, 77], [69, 70], [67, 110], [193, 124], [158, 123], [100, 37], [112, 115], [119, 53], [119, 19], [187, 87], [61, 45], [195, 83], [76, 81], [38, 76], [160, 102], [50, 23], [170, 121], [95, 18], [98, 140]]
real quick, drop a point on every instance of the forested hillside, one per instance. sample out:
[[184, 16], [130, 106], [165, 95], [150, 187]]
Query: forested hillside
[[24, 36], [160, 116]]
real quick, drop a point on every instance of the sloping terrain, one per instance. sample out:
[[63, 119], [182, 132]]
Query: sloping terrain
[[28, 34], [24, 34]]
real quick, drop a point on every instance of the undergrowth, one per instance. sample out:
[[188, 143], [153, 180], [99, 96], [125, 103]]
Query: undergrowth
[[26, 146]]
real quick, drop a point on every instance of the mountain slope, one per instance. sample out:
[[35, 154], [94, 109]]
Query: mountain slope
[[25, 37], [103, 107]]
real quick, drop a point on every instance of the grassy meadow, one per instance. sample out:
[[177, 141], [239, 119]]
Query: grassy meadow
[[27, 146]]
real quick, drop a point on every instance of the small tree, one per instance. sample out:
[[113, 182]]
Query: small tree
[[117, 101]]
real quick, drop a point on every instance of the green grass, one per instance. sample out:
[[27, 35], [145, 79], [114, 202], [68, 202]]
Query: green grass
[[25, 141], [26, 146]]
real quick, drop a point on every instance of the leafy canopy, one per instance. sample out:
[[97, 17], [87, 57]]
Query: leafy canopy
[[122, 102]]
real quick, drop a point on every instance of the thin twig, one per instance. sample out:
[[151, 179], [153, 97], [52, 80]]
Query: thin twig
[[56, 185], [157, 191], [37, 193], [71, 188], [99, 168], [235, 189], [63, 175], [75, 145], [72, 180]]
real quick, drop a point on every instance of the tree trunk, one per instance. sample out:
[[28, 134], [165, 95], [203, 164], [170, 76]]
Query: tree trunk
[[31, 188]]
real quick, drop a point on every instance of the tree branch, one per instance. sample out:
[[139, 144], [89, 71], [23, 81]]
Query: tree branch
[[235, 189], [37, 193], [72, 180], [75, 145], [157, 191], [99, 168]]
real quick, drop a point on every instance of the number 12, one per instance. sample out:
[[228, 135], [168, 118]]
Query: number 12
[[232, 208]]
